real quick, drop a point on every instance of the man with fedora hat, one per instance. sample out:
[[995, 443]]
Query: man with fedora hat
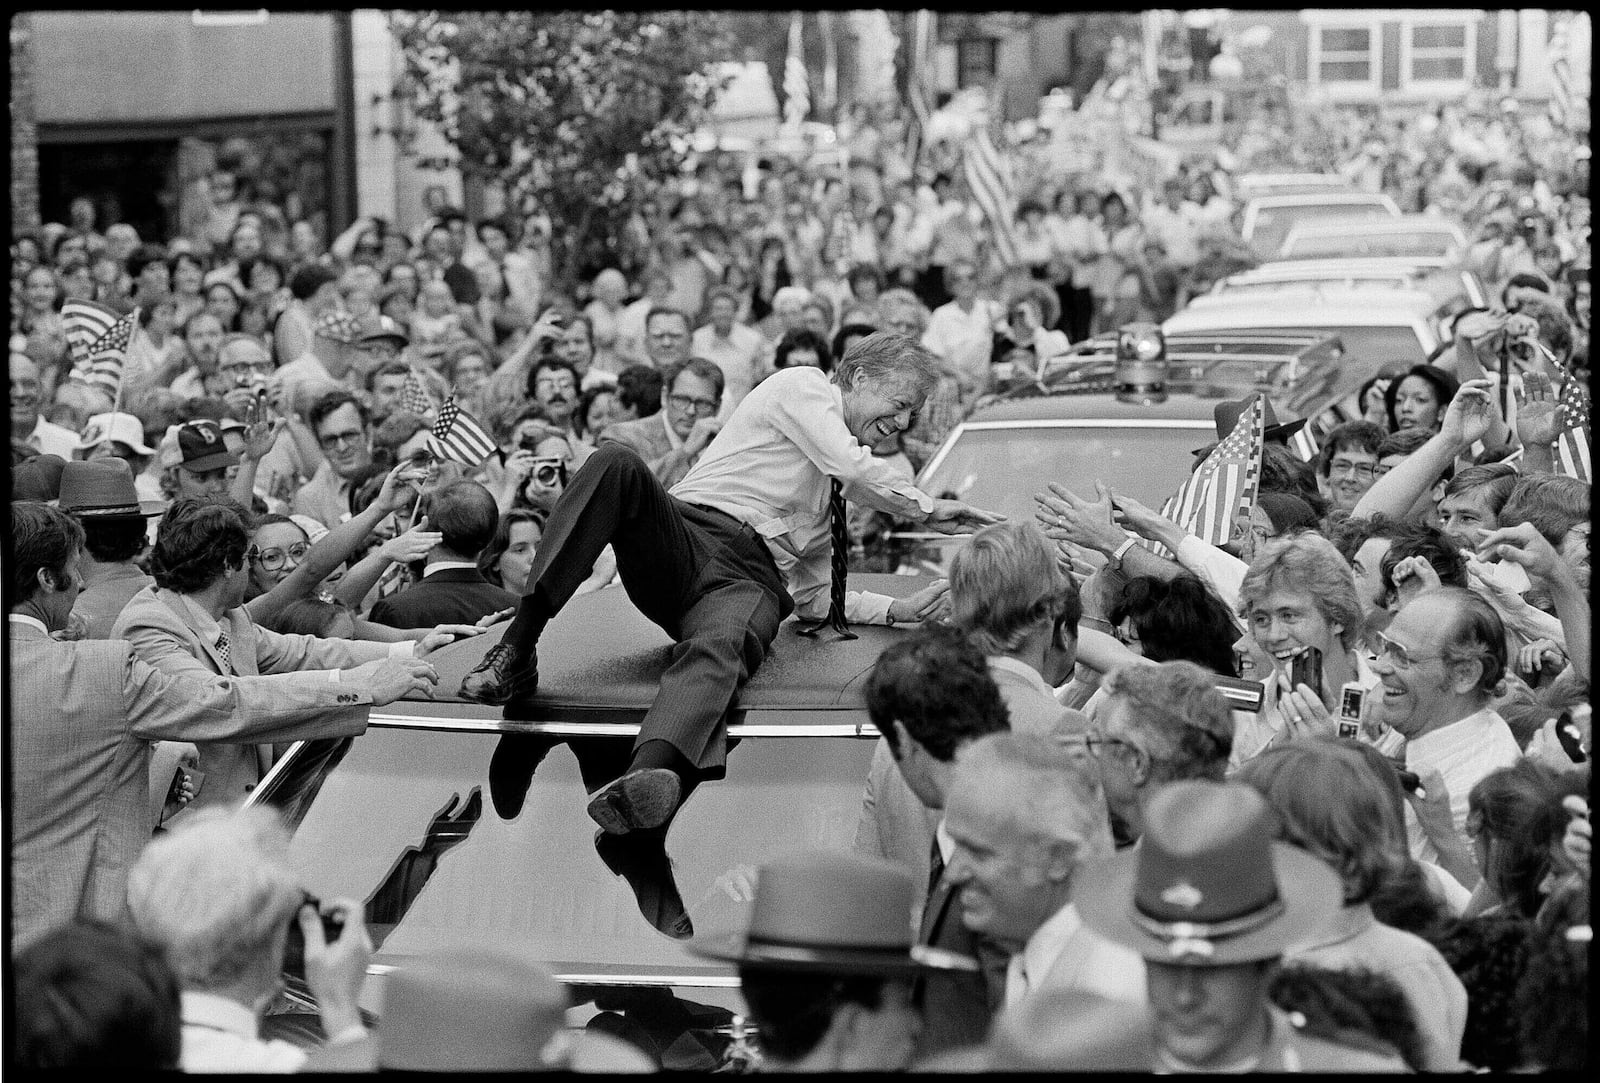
[[1212, 903], [102, 496], [827, 963]]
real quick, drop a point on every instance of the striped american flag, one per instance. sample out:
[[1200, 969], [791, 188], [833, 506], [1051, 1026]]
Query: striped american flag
[[1222, 490], [414, 396], [796, 88], [1571, 451], [1560, 54], [458, 437], [919, 78], [989, 178], [1304, 444], [97, 340]]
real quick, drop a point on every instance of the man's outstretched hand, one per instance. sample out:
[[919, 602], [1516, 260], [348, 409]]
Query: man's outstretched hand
[[955, 517]]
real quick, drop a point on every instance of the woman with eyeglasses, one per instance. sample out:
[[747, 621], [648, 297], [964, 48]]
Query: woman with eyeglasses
[[285, 566]]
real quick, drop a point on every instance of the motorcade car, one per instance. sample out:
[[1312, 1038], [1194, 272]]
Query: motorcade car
[[1377, 327], [1443, 279], [1268, 219], [414, 818], [1250, 185], [1409, 236], [1072, 427]]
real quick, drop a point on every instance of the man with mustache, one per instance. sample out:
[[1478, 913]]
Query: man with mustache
[[553, 384]]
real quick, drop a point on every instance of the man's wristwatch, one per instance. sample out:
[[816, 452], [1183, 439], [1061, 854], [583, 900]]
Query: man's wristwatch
[[1121, 551], [888, 616]]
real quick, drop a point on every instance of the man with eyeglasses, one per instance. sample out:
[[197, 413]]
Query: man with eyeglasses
[[671, 440], [1348, 462], [1440, 663], [1160, 722], [666, 337], [343, 429]]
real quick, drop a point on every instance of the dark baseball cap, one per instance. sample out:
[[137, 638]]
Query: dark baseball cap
[[202, 448]]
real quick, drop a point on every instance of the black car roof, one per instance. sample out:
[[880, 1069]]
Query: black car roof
[[601, 660]]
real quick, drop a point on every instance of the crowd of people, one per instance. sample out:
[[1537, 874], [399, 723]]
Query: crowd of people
[[1072, 852]]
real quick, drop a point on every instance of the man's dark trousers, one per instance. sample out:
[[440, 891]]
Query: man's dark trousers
[[705, 578]]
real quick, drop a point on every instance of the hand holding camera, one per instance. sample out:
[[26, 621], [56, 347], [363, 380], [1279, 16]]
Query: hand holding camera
[[337, 950]]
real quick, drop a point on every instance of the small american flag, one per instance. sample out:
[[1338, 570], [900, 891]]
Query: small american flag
[[1571, 451], [98, 339], [1222, 490], [414, 395], [459, 438], [1304, 444]]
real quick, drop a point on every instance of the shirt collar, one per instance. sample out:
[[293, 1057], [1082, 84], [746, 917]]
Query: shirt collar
[[1045, 946], [1461, 733], [1023, 670], [218, 1013], [947, 845], [446, 566], [672, 434], [204, 624], [31, 622]]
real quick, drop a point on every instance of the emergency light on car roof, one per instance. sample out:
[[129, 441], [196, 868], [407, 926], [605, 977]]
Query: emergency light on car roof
[[1141, 375]]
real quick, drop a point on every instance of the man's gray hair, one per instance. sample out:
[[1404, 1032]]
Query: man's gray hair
[[884, 355], [215, 894], [1185, 725], [1048, 791]]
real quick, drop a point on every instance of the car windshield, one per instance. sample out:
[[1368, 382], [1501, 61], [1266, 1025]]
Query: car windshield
[[1273, 224], [1000, 469], [1368, 244]]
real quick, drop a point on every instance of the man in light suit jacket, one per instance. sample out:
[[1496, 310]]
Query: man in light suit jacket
[[193, 622], [670, 441], [83, 715], [1010, 597], [1025, 812], [452, 589], [931, 696]]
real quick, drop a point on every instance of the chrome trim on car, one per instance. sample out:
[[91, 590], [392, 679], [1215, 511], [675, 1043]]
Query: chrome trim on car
[[772, 725]]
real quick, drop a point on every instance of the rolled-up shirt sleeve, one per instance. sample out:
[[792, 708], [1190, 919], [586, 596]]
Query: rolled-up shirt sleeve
[[812, 420]]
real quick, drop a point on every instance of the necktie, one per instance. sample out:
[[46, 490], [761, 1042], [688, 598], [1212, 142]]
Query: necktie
[[935, 867], [222, 649], [841, 566]]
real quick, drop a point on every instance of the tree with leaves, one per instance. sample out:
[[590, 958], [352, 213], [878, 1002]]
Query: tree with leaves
[[579, 113]]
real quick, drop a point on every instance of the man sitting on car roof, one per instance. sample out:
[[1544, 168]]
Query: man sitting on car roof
[[740, 543]]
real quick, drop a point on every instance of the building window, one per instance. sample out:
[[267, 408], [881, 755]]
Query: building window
[[1438, 54], [976, 61], [1347, 55]]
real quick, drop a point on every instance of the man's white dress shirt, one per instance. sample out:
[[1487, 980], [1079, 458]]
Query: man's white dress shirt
[[770, 467], [1463, 752], [1065, 954]]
